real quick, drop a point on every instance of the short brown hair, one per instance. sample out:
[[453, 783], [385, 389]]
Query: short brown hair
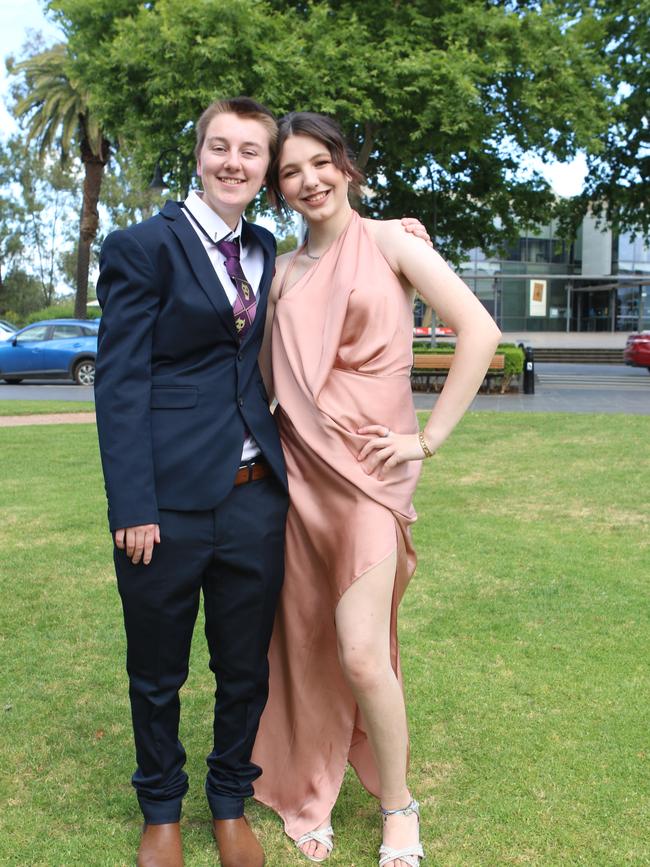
[[325, 130], [244, 106]]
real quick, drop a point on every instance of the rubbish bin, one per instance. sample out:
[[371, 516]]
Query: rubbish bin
[[529, 369]]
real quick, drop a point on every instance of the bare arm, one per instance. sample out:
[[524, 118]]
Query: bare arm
[[264, 358], [413, 225], [478, 336]]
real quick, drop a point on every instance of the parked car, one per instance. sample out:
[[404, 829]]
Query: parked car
[[52, 349], [637, 350]]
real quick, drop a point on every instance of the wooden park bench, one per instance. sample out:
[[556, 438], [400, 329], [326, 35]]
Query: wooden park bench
[[430, 370]]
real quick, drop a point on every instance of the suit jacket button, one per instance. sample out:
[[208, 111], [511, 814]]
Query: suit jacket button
[[240, 357], [241, 401]]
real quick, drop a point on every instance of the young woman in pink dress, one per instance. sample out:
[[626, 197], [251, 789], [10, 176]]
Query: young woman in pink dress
[[337, 357]]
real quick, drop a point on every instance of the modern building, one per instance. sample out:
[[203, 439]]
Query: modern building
[[599, 282]]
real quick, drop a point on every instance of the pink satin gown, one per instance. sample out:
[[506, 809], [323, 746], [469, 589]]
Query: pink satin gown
[[342, 355]]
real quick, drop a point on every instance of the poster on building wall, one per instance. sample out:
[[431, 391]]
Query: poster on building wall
[[537, 301]]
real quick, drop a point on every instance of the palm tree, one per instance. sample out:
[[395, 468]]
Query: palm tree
[[56, 111]]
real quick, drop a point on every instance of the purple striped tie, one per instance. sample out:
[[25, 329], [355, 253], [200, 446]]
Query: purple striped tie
[[245, 304]]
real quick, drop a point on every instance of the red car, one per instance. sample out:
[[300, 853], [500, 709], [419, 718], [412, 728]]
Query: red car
[[441, 331], [637, 350]]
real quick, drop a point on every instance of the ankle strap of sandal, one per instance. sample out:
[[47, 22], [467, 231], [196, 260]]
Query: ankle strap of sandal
[[413, 807]]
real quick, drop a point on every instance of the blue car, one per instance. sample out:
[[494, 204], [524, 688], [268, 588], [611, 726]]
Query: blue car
[[52, 349]]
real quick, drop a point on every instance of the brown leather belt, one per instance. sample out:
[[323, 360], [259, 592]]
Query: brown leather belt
[[252, 472]]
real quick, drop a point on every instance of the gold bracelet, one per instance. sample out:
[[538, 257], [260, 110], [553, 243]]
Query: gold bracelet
[[425, 448]]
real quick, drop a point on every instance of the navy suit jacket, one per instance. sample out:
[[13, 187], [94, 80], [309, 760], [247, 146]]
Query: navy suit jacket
[[175, 389]]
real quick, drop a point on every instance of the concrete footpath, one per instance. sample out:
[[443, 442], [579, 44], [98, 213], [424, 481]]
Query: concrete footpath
[[579, 401], [568, 339], [602, 388], [48, 418], [581, 388]]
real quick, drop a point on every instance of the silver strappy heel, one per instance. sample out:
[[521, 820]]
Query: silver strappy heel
[[324, 836], [410, 854]]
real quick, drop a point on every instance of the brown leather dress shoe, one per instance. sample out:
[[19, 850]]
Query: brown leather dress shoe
[[161, 846], [237, 844]]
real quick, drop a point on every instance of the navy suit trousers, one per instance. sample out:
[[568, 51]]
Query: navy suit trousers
[[235, 555]]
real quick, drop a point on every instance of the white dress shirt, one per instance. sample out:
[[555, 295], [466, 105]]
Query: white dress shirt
[[251, 258]]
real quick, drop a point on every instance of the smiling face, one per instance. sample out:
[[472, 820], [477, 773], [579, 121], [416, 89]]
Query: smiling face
[[232, 164], [309, 181]]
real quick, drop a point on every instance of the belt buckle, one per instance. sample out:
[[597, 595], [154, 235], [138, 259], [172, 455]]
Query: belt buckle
[[249, 471]]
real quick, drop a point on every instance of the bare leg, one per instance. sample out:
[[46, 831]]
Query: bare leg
[[363, 633]]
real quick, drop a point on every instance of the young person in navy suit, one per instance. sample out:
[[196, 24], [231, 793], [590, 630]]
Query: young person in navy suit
[[194, 474]]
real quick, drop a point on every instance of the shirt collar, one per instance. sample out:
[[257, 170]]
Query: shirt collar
[[210, 220]]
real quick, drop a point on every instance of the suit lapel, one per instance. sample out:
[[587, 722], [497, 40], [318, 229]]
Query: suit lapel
[[200, 264], [205, 274]]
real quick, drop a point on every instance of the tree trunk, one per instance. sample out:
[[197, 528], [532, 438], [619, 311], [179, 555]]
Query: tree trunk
[[364, 155], [89, 222], [370, 130]]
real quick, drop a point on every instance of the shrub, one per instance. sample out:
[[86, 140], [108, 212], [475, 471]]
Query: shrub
[[11, 316], [513, 361], [63, 310]]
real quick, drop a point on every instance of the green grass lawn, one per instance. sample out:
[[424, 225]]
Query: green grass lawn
[[524, 640], [44, 407]]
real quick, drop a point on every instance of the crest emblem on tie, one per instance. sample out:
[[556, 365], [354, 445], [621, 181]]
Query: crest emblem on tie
[[244, 305]]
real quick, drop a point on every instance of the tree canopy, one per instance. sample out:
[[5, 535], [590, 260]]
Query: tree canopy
[[55, 108], [37, 209], [618, 184], [440, 100]]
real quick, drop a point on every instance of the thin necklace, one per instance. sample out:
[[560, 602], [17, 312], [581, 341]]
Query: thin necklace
[[316, 258]]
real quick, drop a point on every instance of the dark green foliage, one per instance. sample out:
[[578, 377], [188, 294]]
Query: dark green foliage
[[20, 293], [61, 310], [439, 101], [53, 108], [513, 355], [618, 183], [38, 204]]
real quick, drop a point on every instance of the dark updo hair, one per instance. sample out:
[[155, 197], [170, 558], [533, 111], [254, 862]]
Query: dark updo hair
[[325, 130]]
